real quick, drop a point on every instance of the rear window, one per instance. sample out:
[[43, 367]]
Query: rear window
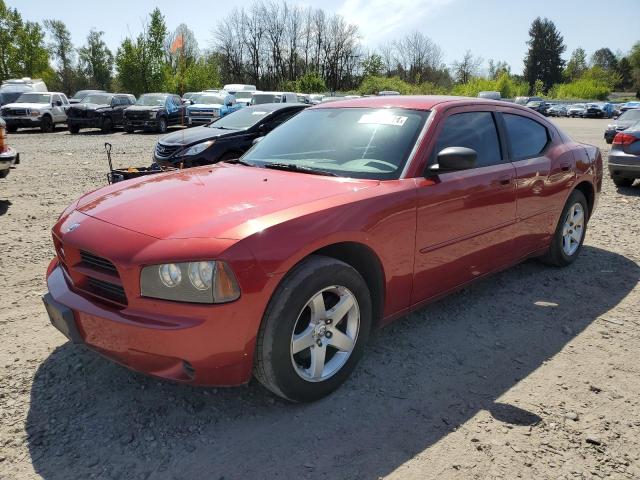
[[527, 137]]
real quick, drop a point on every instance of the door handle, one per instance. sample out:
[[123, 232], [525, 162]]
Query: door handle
[[502, 181]]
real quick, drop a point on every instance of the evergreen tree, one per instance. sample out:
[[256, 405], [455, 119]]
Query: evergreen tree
[[544, 59]]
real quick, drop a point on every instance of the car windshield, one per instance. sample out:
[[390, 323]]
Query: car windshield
[[151, 100], [209, 99], [97, 98], [579, 105], [241, 120], [348, 142], [630, 115], [82, 93], [260, 98], [244, 95], [34, 98]]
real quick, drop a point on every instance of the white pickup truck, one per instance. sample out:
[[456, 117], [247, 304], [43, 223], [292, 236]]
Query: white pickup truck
[[36, 109]]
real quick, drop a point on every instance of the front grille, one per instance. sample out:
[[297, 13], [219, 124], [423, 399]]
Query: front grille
[[107, 290], [15, 112], [97, 262], [76, 113], [166, 150], [137, 115]]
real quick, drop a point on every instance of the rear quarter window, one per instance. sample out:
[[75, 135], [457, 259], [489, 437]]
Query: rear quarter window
[[527, 138]]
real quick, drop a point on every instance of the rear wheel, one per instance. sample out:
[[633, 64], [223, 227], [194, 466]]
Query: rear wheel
[[74, 128], [622, 181], [570, 232], [46, 124], [314, 330]]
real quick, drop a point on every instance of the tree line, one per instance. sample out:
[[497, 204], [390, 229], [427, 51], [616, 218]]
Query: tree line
[[279, 46]]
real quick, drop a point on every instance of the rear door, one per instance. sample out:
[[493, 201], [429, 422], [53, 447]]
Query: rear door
[[545, 172], [466, 219]]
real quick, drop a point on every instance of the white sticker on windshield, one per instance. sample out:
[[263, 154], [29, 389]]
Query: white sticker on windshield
[[258, 113], [383, 118]]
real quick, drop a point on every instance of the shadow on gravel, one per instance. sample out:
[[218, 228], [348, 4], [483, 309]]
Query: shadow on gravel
[[633, 191], [4, 206], [421, 378]]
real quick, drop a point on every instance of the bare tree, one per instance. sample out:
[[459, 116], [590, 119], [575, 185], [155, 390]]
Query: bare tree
[[466, 68]]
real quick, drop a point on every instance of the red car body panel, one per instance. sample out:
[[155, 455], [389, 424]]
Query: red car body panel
[[430, 234]]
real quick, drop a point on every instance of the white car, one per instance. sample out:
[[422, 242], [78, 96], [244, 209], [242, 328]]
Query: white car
[[274, 97], [36, 109], [12, 88]]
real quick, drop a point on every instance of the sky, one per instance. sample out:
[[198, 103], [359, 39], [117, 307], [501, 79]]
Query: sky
[[491, 29]]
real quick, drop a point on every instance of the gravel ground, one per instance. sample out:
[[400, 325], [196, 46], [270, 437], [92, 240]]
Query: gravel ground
[[532, 373]]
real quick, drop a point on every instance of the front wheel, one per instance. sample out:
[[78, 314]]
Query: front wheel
[[46, 124], [314, 330], [570, 232], [107, 125], [622, 181], [162, 125], [12, 128]]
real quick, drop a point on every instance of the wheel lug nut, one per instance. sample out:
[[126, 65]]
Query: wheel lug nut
[[328, 321], [319, 343], [328, 334]]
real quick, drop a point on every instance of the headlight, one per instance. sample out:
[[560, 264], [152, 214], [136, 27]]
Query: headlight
[[198, 148], [153, 114], [34, 113], [197, 282]]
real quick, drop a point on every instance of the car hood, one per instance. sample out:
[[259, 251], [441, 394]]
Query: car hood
[[196, 135], [203, 106], [224, 201], [89, 106], [34, 106], [143, 108]]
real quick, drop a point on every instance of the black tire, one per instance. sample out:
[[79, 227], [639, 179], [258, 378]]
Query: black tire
[[73, 128], [273, 365], [609, 140], [107, 125], [12, 128], [162, 125], [622, 181], [46, 124], [128, 129], [556, 256]]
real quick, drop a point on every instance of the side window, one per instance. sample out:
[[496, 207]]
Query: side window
[[475, 130], [279, 119], [65, 100], [56, 99], [527, 138]]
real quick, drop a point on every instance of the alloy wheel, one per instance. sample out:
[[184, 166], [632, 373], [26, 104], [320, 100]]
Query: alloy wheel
[[325, 333], [573, 229]]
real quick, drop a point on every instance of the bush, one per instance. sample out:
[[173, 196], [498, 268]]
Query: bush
[[371, 85], [581, 90], [505, 84]]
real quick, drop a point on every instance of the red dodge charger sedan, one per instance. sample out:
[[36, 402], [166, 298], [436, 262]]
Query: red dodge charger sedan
[[349, 215]]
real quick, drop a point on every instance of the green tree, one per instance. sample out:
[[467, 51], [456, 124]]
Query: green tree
[[154, 51], [497, 68], [625, 71], [577, 65], [605, 59], [10, 25], [96, 61], [544, 59], [373, 66], [62, 50], [130, 66], [311, 82]]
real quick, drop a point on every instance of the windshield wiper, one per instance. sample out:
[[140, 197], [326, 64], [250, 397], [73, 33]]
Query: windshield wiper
[[240, 162], [292, 167]]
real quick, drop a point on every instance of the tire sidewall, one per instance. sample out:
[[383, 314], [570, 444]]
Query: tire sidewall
[[162, 125], [280, 322], [46, 124], [575, 197]]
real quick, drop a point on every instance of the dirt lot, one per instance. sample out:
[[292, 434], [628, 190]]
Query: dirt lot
[[533, 373]]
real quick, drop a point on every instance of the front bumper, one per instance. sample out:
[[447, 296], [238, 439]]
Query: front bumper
[[201, 351], [142, 123], [624, 165], [24, 122], [94, 122], [8, 159]]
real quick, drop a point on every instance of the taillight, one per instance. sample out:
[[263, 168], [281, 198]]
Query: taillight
[[624, 139], [3, 139]]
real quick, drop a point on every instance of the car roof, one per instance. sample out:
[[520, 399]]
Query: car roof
[[413, 102], [272, 107]]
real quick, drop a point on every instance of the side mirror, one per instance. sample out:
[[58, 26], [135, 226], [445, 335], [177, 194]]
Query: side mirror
[[454, 158], [256, 140]]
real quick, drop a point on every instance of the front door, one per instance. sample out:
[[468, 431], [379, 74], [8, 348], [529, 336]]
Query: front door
[[466, 219]]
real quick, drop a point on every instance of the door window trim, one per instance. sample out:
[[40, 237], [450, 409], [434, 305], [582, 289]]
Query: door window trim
[[504, 133]]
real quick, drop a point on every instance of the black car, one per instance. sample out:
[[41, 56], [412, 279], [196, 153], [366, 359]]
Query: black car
[[226, 138], [593, 111], [155, 111], [624, 121], [539, 106], [99, 110]]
